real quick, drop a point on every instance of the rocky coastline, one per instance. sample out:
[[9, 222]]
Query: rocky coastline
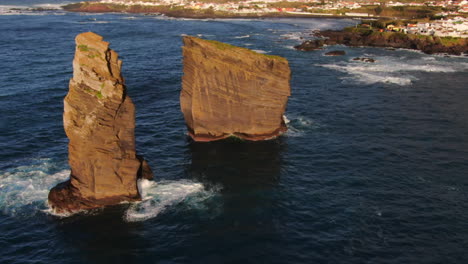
[[176, 12], [356, 38]]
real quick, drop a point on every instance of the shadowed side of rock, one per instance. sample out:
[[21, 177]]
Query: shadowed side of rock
[[232, 91], [99, 120]]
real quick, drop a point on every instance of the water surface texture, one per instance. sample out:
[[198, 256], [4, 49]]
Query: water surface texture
[[373, 168]]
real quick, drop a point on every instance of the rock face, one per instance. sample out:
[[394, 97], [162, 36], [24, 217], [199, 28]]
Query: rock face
[[99, 120], [232, 91], [426, 44]]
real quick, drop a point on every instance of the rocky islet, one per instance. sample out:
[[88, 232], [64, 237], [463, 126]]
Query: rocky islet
[[232, 91], [227, 91], [99, 120]]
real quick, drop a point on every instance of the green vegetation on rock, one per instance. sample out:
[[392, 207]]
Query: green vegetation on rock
[[98, 94], [221, 45], [225, 46], [83, 48]]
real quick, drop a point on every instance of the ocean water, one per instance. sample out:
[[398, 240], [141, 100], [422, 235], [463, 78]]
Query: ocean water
[[373, 168]]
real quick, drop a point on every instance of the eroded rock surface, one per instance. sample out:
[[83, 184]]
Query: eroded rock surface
[[99, 120], [232, 91]]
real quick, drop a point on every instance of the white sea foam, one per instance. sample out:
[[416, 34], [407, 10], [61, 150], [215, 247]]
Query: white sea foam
[[298, 125], [24, 190], [50, 6], [393, 70], [241, 37], [368, 75], [303, 121], [94, 22], [260, 51], [158, 196], [293, 35], [27, 10], [23, 13]]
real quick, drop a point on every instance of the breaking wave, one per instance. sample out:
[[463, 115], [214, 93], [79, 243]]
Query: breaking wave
[[158, 196], [391, 70], [298, 36], [32, 10], [260, 51], [241, 37], [24, 190], [298, 125], [368, 75]]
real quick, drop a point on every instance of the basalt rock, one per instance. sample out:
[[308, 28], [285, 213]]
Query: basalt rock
[[309, 45], [426, 44], [363, 59], [335, 53], [232, 91], [99, 120]]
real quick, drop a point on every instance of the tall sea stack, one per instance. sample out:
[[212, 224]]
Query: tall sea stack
[[99, 120], [232, 91]]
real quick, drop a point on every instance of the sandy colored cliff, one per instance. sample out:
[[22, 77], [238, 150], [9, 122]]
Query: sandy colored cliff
[[232, 91], [99, 120]]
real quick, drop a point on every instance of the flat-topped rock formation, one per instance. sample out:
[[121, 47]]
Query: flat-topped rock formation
[[232, 91], [99, 120]]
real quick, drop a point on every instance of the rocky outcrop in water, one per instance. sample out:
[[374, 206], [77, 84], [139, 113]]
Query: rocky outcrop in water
[[363, 59], [426, 44], [232, 91], [335, 53], [99, 120]]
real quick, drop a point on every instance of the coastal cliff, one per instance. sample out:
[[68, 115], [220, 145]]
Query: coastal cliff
[[351, 37], [232, 91], [99, 120]]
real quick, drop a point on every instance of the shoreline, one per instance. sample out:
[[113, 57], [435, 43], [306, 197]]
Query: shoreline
[[425, 44], [347, 36], [92, 7]]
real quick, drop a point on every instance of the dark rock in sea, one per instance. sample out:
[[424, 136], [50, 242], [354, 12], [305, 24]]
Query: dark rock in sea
[[335, 53], [427, 44], [232, 91], [99, 120], [364, 59], [309, 45]]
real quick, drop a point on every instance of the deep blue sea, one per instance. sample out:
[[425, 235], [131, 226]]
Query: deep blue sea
[[373, 169]]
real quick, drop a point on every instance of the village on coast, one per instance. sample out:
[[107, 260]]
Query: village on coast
[[451, 21]]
